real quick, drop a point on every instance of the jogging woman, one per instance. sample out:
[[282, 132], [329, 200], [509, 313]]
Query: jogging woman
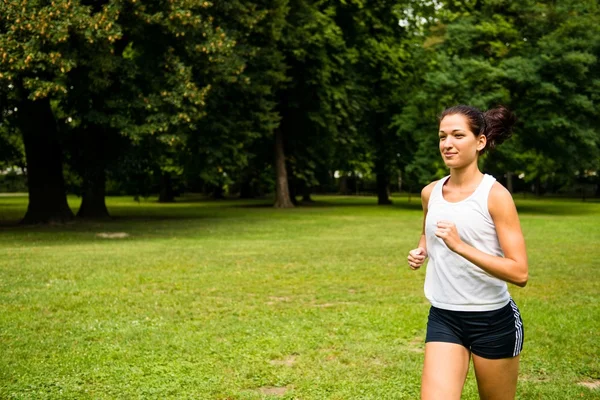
[[472, 236]]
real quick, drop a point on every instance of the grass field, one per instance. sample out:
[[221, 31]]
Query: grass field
[[237, 300]]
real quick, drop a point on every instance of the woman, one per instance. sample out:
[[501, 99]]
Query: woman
[[472, 236]]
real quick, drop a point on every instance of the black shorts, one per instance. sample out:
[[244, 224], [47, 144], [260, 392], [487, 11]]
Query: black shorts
[[488, 334]]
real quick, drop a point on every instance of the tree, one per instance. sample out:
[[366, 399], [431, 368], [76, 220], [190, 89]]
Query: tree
[[112, 68], [37, 54], [241, 116], [538, 59], [315, 103], [384, 71], [552, 81]]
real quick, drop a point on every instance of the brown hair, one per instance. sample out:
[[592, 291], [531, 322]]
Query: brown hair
[[496, 124]]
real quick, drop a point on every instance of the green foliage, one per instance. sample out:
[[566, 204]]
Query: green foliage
[[12, 151], [37, 42], [12, 160], [540, 59], [315, 102], [116, 69], [557, 96], [240, 110], [354, 86]]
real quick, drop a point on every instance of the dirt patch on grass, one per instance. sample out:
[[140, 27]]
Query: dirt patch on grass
[[593, 384], [288, 361], [112, 235], [534, 379], [378, 361], [417, 345], [276, 299], [325, 305], [339, 303], [273, 391]]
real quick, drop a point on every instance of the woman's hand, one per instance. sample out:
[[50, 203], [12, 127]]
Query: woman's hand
[[416, 258], [446, 231]]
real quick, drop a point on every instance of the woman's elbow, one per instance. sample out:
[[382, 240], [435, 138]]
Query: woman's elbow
[[521, 283], [522, 279]]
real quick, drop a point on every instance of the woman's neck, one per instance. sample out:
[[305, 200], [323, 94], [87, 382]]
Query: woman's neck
[[465, 177]]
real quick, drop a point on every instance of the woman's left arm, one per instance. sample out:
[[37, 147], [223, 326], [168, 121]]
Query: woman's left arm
[[513, 266]]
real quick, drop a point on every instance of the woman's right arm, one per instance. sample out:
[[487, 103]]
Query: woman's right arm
[[417, 257]]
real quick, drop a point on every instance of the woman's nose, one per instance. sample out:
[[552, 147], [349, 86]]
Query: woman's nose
[[448, 142]]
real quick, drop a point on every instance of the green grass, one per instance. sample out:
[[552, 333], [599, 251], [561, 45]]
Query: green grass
[[237, 300]]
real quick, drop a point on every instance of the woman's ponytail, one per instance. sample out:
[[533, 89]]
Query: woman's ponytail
[[499, 123]]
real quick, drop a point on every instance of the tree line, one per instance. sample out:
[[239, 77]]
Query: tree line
[[263, 96]]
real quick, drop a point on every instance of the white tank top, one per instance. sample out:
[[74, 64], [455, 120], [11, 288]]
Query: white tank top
[[452, 282]]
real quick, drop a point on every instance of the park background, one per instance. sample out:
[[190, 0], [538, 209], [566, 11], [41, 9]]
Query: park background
[[143, 146]]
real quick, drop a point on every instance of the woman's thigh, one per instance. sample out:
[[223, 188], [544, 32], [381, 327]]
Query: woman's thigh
[[444, 371], [496, 379]]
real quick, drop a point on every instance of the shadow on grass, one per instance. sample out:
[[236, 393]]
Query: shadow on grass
[[558, 208], [192, 211], [85, 225], [343, 202], [542, 206]]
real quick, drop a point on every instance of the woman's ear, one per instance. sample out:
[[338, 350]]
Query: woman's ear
[[481, 142]]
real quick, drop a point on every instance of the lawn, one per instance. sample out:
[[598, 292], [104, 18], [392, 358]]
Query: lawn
[[237, 300]]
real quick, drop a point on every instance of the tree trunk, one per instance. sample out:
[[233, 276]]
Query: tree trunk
[[509, 182], [218, 192], [383, 180], [282, 193], [92, 166], [93, 203], [166, 189], [47, 194], [292, 191], [381, 162], [247, 190], [538, 186], [399, 181], [344, 185], [306, 194], [383, 195]]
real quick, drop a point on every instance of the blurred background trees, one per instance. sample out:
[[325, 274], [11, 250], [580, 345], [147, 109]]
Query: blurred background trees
[[287, 97]]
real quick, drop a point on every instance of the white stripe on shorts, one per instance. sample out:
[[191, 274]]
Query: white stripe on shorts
[[518, 329]]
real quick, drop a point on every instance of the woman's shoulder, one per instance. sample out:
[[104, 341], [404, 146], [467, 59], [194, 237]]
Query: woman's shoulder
[[426, 191], [499, 198], [499, 192]]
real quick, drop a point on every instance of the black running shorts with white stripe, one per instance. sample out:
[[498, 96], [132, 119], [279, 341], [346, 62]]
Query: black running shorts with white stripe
[[488, 334]]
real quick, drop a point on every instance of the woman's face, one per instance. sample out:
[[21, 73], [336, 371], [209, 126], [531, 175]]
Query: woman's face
[[458, 144]]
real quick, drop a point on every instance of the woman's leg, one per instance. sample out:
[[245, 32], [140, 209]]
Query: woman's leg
[[496, 354], [496, 379], [444, 371]]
